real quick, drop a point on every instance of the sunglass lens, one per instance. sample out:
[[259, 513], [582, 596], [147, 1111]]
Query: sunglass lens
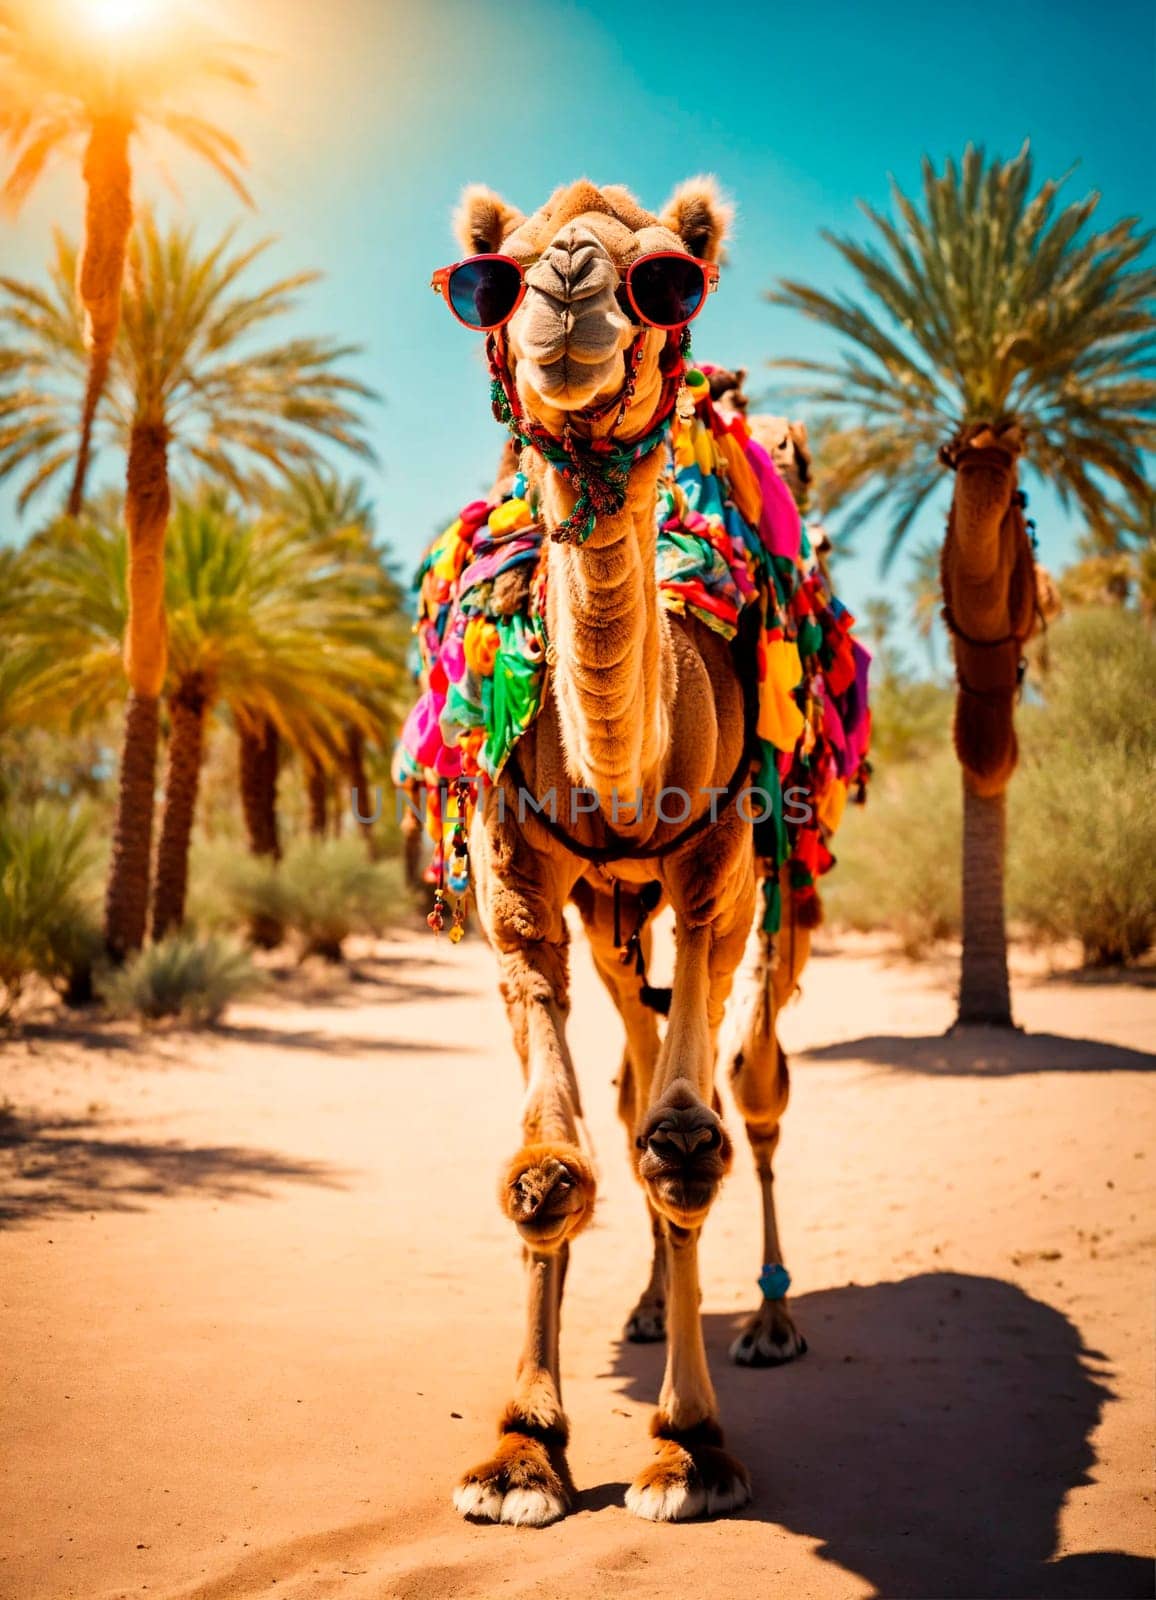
[[668, 290], [484, 293]]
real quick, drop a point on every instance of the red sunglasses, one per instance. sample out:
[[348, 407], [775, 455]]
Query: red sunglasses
[[665, 289]]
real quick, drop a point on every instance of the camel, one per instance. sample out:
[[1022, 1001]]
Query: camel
[[994, 598], [771, 971], [784, 440], [639, 703]]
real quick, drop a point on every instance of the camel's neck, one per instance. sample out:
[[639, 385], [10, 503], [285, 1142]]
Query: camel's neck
[[983, 551], [610, 643]]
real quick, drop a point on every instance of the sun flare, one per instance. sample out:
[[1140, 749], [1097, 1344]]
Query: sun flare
[[118, 16]]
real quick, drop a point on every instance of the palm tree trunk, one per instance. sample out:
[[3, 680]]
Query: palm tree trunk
[[127, 897], [146, 516], [182, 776], [259, 753], [359, 786], [984, 992], [146, 511], [107, 223], [260, 750], [317, 788]]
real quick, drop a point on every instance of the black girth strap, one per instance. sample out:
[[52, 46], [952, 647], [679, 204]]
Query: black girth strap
[[619, 849], [630, 951]]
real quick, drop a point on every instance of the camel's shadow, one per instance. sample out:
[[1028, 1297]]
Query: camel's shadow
[[927, 1440]]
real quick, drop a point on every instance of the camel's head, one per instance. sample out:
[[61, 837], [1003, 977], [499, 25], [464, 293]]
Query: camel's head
[[727, 388], [985, 458], [567, 342], [784, 441], [786, 444]]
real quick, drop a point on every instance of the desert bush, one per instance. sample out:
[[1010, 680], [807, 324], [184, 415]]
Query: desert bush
[[910, 718], [899, 855], [48, 917], [331, 889], [1081, 858], [231, 890], [323, 891], [259, 892], [184, 976]]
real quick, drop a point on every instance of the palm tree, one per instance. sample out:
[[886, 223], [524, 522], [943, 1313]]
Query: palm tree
[[989, 319], [274, 628], [278, 627], [65, 86], [187, 377], [320, 505], [923, 592]]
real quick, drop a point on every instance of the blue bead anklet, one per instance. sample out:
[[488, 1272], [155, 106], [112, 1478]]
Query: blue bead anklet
[[774, 1281]]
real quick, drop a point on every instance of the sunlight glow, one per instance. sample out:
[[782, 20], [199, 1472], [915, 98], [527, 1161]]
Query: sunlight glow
[[118, 16]]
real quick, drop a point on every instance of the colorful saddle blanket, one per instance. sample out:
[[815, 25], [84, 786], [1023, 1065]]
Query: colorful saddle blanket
[[729, 537]]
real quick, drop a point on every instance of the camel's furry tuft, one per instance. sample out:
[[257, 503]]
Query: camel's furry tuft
[[483, 219], [702, 217]]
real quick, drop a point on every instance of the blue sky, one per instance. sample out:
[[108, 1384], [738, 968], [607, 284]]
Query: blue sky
[[372, 114]]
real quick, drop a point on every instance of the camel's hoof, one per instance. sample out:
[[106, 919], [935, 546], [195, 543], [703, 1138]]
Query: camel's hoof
[[685, 1156], [770, 1338], [646, 1325], [548, 1191], [691, 1476], [521, 1484]]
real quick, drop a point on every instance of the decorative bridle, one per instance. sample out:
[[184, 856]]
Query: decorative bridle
[[597, 469]]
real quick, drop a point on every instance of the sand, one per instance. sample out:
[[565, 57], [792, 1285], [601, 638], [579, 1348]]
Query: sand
[[259, 1307]]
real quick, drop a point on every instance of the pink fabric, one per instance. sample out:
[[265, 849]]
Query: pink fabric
[[421, 734], [779, 526]]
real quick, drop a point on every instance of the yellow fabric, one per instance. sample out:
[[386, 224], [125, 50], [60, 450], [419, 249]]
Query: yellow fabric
[[447, 563], [745, 491], [480, 645], [704, 455], [832, 803], [780, 720], [509, 515]]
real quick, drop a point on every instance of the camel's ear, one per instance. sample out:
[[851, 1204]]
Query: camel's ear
[[798, 432], [483, 219], [697, 212]]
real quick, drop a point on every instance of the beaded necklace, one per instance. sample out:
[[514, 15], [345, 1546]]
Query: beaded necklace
[[598, 469]]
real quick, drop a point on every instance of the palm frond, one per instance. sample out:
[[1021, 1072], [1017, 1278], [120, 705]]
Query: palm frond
[[984, 300], [189, 356]]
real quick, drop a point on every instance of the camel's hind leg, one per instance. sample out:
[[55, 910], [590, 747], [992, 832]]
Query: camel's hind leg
[[760, 1081], [646, 1324]]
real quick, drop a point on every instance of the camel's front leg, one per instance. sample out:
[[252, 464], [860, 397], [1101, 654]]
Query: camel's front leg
[[685, 1153], [547, 1191], [527, 1481]]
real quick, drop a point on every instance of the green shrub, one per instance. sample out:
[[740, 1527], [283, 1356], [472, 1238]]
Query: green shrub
[[899, 855], [1081, 858], [910, 719], [329, 889], [253, 893], [48, 919], [183, 976], [323, 891]]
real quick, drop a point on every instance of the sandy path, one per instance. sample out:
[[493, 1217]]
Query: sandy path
[[258, 1305]]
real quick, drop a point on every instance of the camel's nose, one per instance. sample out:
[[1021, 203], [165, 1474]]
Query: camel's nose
[[574, 266]]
